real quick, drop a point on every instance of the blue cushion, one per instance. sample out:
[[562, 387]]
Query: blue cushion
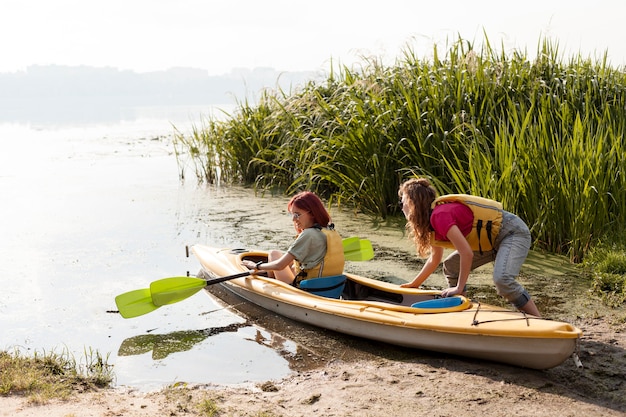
[[439, 303], [330, 287]]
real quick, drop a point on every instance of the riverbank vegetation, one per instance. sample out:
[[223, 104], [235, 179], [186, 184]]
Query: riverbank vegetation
[[544, 136], [46, 375]]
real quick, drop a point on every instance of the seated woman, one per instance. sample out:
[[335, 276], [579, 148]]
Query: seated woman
[[317, 250]]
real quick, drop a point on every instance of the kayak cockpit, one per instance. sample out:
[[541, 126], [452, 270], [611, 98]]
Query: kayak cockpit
[[350, 287]]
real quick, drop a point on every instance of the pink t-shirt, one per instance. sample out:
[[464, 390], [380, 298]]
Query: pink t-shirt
[[444, 216]]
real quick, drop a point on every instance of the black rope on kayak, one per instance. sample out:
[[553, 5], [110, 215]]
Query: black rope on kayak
[[476, 322]]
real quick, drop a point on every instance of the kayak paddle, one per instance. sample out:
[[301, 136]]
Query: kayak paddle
[[175, 289], [172, 290], [164, 291]]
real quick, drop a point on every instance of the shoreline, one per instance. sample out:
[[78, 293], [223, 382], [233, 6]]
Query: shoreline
[[415, 384]]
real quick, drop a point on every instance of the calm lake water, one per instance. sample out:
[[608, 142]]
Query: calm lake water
[[90, 211]]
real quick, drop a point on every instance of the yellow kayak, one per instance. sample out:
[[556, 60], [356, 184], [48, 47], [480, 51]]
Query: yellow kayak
[[408, 317]]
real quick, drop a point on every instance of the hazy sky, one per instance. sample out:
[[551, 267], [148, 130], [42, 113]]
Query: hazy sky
[[218, 35]]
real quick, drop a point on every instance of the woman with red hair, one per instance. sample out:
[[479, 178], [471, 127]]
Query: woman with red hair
[[316, 252]]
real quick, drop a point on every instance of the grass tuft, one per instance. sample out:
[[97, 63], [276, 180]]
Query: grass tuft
[[208, 408], [607, 266], [47, 375]]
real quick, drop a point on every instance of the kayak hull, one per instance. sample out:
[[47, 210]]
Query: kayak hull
[[381, 311]]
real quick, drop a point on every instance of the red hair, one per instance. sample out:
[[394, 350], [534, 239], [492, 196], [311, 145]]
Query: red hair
[[309, 201]]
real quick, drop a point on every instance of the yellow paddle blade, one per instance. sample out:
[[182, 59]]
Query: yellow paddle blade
[[350, 244], [175, 289], [135, 303], [359, 250]]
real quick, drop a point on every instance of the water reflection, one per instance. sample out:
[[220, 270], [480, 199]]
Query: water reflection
[[298, 356], [303, 346], [163, 345]]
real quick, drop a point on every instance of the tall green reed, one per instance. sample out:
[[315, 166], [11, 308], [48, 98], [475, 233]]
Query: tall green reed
[[543, 136]]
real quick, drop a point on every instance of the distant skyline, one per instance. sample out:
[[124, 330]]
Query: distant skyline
[[221, 35], [53, 94]]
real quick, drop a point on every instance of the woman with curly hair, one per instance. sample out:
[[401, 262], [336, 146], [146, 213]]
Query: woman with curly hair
[[478, 231]]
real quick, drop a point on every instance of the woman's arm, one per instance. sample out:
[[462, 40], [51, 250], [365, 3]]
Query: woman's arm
[[429, 267], [281, 263], [286, 260], [466, 255], [281, 267]]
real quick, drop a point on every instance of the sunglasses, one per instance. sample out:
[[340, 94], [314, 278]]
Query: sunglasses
[[295, 216]]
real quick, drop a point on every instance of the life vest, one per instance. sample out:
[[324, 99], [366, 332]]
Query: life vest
[[485, 227], [333, 261]]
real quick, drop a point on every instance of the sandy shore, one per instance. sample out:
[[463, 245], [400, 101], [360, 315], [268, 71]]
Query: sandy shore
[[437, 385]]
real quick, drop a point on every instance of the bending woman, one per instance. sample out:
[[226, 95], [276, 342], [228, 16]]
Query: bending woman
[[317, 250], [477, 229]]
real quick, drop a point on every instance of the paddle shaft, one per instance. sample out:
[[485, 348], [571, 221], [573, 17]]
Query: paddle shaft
[[228, 278]]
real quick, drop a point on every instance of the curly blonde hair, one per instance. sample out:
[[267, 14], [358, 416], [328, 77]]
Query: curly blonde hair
[[419, 195]]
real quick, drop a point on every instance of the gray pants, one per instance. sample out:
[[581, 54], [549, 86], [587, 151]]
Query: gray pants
[[511, 248]]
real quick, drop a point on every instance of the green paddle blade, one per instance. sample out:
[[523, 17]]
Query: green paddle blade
[[360, 250], [135, 303], [175, 289], [350, 244]]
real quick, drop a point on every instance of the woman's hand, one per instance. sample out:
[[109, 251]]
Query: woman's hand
[[449, 292], [249, 264]]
